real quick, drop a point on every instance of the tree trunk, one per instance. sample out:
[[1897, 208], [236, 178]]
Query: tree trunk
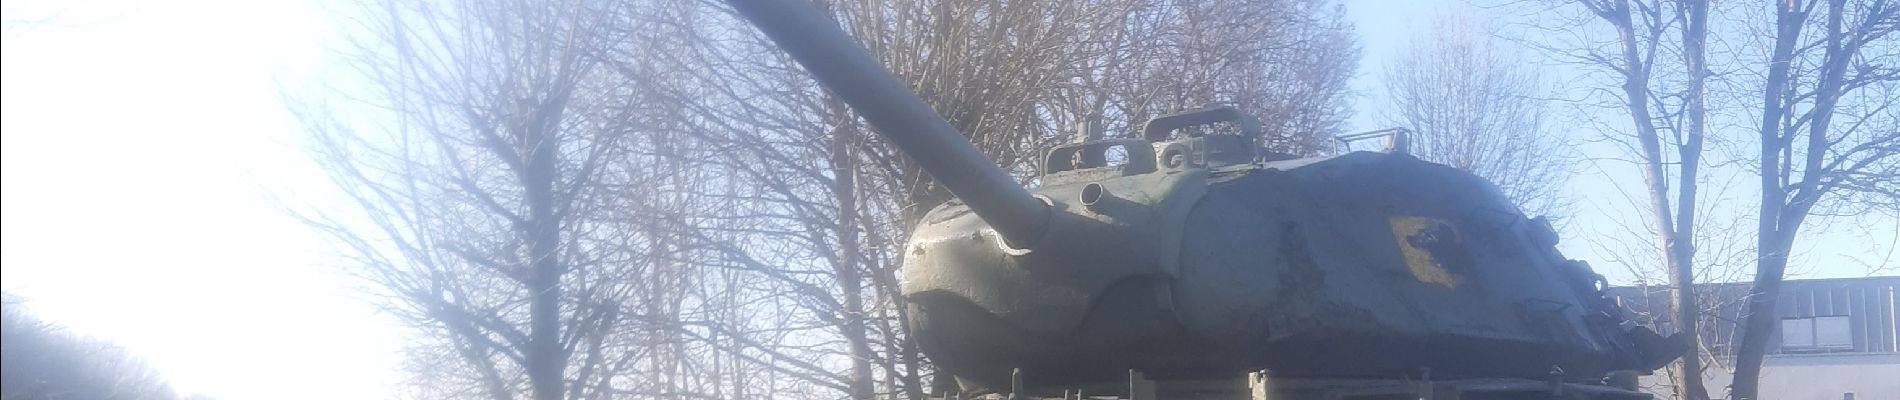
[[1789, 205], [545, 363], [850, 279], [1682, 249], [1759, 324], [1678, 256], [1771, 246]]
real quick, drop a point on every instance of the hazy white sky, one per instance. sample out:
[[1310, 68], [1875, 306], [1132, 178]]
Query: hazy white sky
[[145, 143]]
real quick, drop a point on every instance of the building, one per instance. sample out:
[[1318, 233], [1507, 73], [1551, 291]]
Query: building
[[1836, 339]]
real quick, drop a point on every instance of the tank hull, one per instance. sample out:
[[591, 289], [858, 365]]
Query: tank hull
[[1363, 265]]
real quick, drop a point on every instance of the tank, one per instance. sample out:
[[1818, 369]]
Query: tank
[[1199, 257], [1189, 254]]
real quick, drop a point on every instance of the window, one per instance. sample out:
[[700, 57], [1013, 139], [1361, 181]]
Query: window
[[1829, 332], [1797, 332], [1833, 331]]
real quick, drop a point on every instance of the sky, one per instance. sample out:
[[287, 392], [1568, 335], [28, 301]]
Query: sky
[[146, 150], [148, 156], [1607, 195]]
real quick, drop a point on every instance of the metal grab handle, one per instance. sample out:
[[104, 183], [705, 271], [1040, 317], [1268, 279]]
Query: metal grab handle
[[1397, 140], [1140, 156], [1157, 128]]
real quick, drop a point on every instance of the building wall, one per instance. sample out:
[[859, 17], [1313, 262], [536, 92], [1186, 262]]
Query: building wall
[[1869, 303], [1861, 357], [1811, 377]]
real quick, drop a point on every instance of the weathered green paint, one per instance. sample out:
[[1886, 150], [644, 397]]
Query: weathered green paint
[[1366, 265], [1199, 259]]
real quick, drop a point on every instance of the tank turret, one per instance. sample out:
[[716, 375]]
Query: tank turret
[[1188, 253]]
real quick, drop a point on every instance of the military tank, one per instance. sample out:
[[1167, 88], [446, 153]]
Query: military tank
[[1186, 262]]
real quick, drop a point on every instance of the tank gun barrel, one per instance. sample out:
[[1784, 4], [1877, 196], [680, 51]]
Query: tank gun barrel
[[835, 60]]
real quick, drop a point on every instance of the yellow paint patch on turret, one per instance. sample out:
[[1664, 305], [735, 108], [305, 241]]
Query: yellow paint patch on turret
[[1419, 238]]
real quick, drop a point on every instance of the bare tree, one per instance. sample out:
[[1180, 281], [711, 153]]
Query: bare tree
[[1287, 62], [1473, 105], [823, 205], [1831, 73], [1823, 79], [820, 208], [1665, 111], [726, 229], [479, 195], [41, 361]]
